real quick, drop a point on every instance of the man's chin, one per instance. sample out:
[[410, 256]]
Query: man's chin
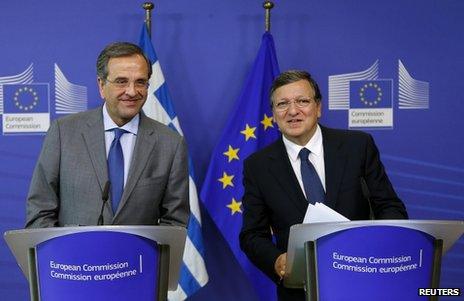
[[294, 132], [131, 108], [129, 114]]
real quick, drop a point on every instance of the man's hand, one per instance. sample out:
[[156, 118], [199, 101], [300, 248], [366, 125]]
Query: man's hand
[[280, 265]]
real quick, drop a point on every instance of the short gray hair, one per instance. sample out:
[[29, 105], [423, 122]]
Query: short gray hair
[[118, 49]]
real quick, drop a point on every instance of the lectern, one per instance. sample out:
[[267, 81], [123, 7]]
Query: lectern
[[368, 260], [99, 262]]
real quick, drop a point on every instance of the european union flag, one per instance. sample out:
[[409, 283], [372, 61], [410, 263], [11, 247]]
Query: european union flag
[[365, 94], [249, 128], [25, 98]]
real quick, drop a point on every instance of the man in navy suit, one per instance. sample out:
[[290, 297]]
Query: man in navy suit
[[276, 196]]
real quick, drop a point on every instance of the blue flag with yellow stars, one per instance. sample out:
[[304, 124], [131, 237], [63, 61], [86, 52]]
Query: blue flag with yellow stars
[[249, 129]]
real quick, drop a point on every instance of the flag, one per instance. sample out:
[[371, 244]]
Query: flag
[[193, 274], [249, 128]]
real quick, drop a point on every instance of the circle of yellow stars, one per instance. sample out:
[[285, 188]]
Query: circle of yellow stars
[[363, 90], [232, 153], [19, 105]]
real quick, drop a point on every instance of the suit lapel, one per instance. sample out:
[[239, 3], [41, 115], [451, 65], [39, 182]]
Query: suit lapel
[[94, 138], [146, 140], [334, 160], [281, 169]]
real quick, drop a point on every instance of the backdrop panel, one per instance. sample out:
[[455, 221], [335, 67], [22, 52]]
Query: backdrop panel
[[412, 50]]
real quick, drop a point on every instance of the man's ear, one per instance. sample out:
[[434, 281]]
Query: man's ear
[[101, 84]]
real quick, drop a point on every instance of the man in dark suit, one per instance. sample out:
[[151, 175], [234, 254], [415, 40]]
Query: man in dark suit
[[145, 161], [277, 189]]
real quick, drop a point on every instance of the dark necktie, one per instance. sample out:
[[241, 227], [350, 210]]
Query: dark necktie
[[311, 182], [116, 168]]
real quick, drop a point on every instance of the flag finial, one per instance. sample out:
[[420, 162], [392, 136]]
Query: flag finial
[[268, 5], [148, 6]]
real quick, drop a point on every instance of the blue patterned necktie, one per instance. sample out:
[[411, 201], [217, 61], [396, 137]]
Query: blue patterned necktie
[[311, 182], [116, 168]]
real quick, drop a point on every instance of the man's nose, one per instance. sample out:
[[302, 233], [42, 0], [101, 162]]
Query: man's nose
[[292, 108], [130, 89]]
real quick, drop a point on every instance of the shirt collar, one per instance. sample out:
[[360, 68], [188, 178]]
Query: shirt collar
[[314, 145], [108, 123]]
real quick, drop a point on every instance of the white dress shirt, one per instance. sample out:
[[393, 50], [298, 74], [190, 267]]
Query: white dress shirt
[[316, 157], [127, 140]]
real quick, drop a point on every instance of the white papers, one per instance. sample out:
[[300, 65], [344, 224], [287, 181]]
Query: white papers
[[321, 213]]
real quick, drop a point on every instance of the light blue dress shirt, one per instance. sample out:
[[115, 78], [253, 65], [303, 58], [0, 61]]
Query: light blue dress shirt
[[127, 140]]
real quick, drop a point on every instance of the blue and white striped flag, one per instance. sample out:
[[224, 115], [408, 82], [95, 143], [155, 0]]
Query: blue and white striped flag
[[193, 274]]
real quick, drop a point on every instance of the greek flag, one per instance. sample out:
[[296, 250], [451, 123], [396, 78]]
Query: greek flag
[[193, 274]]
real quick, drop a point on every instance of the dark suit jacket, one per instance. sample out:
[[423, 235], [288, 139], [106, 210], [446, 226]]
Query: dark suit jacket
[[66, 188], [274, 199]]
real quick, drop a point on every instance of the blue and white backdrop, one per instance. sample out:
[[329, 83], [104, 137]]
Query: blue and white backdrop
[[392, 68]]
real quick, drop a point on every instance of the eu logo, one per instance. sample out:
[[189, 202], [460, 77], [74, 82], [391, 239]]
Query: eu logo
[[30, 98], [371, 94], [26, 108], [371, 104]]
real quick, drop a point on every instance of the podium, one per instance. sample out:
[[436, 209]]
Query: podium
[[99, 262], [368, 260]]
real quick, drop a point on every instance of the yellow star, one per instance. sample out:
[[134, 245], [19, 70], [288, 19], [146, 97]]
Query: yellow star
[[235, 206], [248, 132], [267, 122], [232, 153], [226, 180]]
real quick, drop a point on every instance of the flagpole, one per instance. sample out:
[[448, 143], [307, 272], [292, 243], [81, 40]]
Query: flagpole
[[148, 6], [268, 5]]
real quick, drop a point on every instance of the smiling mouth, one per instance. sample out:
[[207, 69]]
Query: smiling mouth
[[130, 103], [130, 100], [294, 121]]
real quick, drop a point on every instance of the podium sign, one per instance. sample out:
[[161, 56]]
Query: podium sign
[[99, 262], [390, 265], [97, 266], [368, 260]]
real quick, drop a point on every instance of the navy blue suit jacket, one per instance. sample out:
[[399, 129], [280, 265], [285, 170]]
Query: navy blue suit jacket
[[273, 197]]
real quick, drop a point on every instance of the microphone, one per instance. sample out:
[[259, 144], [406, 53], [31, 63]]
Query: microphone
[[367, 195], [105, 196]]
